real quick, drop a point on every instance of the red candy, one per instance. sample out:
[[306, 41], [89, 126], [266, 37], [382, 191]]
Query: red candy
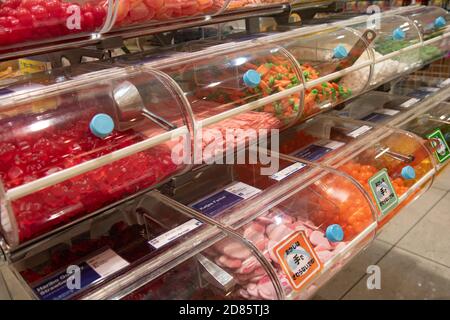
[[27, 20], [27, 157]]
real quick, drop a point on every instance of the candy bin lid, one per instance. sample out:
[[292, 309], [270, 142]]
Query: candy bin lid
[[28, 21], [393, 166], [378, 107], [329, 215], [114, 244], [434, 125], [432, 21], [140, 13], [335, 64], [323, 138], [393, 33], [60, 165], [434, 25], [248, 87]]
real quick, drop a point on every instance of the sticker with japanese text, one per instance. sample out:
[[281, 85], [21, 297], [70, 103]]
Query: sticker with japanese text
[[438, 141], [383, 192], [297, 259]]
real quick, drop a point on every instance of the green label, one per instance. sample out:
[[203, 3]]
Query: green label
[[383, 192], [442, 150]]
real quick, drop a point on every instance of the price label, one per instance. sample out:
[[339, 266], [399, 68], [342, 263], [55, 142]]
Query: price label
[[357, 132], [383, 192], [409, 103], [221, 200], [438, 141]]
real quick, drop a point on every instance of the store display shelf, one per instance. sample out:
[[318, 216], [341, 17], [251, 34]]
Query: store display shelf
[[114, 37]]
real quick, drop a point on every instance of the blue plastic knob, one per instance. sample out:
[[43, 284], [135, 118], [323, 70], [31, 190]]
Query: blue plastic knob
[[398, 34], [408, 173], [101, 125], [252, 78], [340, 52], [334, 233], [440, 22]]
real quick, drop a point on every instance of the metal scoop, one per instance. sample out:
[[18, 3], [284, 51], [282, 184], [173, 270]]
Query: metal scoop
[[395, 155], [131, 108]]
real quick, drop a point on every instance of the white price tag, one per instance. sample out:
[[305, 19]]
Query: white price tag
[[409, 103], [175, 233], [361, 130], [389, 112], [280, 175], [445, 83], [107, 263], [334, 144], [243, 190]]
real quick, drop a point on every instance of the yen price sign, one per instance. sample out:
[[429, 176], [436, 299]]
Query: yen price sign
[[383, 192], [442, 151]]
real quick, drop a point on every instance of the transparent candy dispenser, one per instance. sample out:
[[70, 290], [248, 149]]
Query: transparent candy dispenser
[[433, 125], [250, 87], [306, 221], [32, 21], [392, 33], [141, 13], [433, 22], [60, 165], [394, 167], [329, 61], [114, 245]]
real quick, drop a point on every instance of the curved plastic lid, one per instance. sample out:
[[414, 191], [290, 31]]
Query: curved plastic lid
[[429, 19], [393, 33], [225, 89], [322, 53], [388, 166], [312, 225], [141, 12], [60, 183]]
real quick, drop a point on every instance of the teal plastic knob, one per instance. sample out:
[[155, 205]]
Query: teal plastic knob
[[440, 22], [408, 173], [340, 52], [101, 125], [252, 78], [398, 34], [334, 233]]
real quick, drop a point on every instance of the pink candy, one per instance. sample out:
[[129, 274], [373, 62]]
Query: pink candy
[[265, 233]]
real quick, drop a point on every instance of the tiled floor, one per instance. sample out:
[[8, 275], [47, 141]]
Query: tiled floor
[[412, 252]]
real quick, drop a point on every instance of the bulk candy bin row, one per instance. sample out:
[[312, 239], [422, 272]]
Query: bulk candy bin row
[[118, 189], [233, 250]]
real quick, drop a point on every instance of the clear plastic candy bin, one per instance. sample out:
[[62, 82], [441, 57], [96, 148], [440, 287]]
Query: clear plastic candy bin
[[59, 165]]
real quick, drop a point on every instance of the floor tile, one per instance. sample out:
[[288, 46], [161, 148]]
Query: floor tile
[[442, 181], [430, 238], [410, 215], [406, 276], [353, 272], [15, 289], [4, 294]]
